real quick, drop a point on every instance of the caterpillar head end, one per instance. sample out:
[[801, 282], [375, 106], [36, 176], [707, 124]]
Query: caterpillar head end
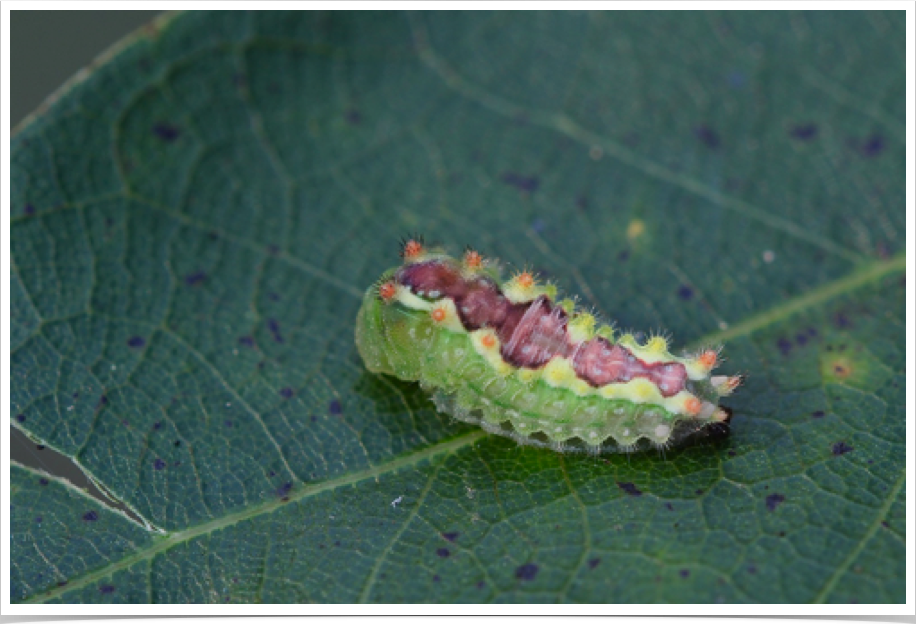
[[725, 385]]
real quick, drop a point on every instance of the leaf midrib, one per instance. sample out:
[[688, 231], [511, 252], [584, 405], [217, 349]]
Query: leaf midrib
[[861, 277]]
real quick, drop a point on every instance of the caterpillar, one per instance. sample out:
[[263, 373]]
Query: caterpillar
[[511, 357]]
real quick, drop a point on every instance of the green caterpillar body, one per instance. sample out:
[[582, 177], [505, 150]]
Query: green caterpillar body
[[505, 357]]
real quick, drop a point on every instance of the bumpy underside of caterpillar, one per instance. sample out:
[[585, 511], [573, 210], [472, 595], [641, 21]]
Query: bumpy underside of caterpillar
[[508, 357]]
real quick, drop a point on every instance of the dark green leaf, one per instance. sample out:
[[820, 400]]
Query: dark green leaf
[[193, 224]]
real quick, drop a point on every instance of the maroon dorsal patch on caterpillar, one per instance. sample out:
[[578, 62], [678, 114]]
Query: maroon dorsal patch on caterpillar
[[511, 357]]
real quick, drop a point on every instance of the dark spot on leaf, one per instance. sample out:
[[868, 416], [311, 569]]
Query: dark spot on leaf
[[872, 146], [774, 500], [61, 583], [90, 516], [38, 519], [135, 342], [157, 426], [166, 132], [629, 488], [20, 417], [273, 250], [29, 209], [443, 552], [274, 328], [450, 536], [227, 423], [593, 563], [335, 407], [784, 345], [526, 572], [801, 339], [481, 584], [246, 341], [817, 414], [841, 321], [707, 136], [286, 393], [522, 183], [732, 453], [43, 481], [841, 448], [684, 573], [669, 506], [103, 400], [752, 569], [885, 524], [685, 292], [159, 464], [177, 442], [284, 489], [699, 492], [40, 447], [804, 132], [436, 578], [273, 296], [193, 279], [106, 589], [353, 117]]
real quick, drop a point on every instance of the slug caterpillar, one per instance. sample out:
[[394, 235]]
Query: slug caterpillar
[[511, 358]]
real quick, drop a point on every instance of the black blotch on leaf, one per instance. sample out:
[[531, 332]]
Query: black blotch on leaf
[[685, 292], [227, 423], [61, 583], [29, 209], [20, 417], [841, 321], [522, 183], [593, 563], [801, 339], [273, 296], [841, 448], [135, 342], [481, 584], [157, 425], [335, 407], [629, 488], [450, 536], [684, 573], [817, 414], [106, 589], [527, 571], [707, 136], [193, 279], [804, 132], [436, 578], [286, 393], [166, 132], [872, 146], [699, 492], [784, 345], [246, 341], [774, 500], [90, 516], [43, 481], [274, 328], [177, 442], [284, 489], [159, 464], [38, 519], [443, 552]]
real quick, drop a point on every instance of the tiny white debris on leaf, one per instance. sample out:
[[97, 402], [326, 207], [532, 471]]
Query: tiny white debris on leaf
[[397, 501]]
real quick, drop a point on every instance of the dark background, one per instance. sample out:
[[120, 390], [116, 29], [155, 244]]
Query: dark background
[[46, 49]]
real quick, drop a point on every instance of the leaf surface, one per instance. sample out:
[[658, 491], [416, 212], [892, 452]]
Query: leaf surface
[[195, 221]]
